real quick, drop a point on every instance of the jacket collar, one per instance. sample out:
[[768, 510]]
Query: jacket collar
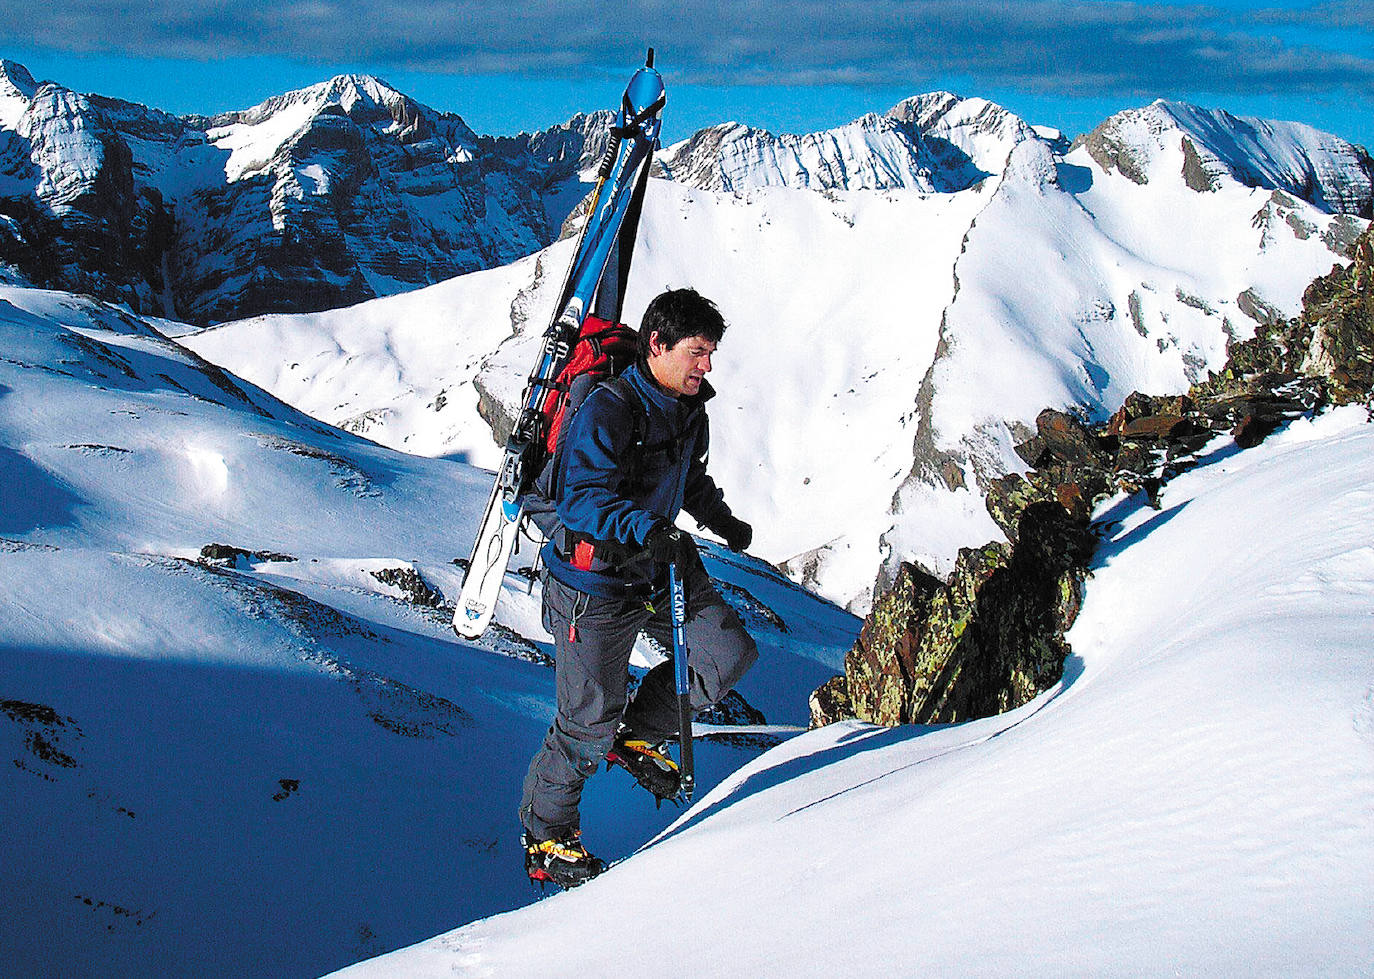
[[643, 378]]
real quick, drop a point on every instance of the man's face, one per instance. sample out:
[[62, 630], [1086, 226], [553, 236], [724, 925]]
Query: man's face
[[679, 369]]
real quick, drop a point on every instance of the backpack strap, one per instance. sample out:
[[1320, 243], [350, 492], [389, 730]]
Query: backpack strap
[[550, 484], [626, 394]]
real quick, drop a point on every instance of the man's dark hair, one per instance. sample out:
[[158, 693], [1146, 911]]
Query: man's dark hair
[[678, 314]]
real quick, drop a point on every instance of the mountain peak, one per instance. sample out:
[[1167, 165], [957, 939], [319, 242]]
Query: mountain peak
[[1319, 167], [15, 80], [364, 98], [353, 87], [17, 89]]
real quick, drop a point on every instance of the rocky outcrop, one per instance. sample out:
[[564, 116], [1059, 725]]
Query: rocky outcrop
[[991, 636], [983, 641], [1327, 353], [72, 214], [228, 556], [411, 585]]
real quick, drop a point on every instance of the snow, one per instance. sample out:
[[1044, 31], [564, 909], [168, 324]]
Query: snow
[[252, 146], [13, 105], [1193, 798], [398, 370]]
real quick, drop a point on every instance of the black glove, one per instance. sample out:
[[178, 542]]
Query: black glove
[[738, 535], [667, 545]]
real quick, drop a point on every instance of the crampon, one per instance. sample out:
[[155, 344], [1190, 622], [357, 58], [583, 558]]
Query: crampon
[[650, 765], [564, 862]]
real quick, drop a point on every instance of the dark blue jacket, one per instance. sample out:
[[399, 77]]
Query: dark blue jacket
[[632, 457]]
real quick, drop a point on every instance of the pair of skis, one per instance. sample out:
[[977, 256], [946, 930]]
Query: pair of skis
[[592, 285], [618, 193]]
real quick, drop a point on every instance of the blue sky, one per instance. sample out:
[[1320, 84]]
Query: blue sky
[[789, 66]]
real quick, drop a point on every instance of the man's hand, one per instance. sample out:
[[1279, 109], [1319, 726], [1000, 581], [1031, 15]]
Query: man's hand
[[738, 535], [667, 544]]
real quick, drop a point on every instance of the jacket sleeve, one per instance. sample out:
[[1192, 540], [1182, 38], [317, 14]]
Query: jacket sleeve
[[702, 498], [599, 437]]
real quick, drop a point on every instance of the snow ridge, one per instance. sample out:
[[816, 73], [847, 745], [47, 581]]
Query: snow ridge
[[935, 143], [1131, 819]]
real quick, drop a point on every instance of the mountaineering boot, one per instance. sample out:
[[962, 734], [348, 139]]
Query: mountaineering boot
[[648, 763], [564, 862]]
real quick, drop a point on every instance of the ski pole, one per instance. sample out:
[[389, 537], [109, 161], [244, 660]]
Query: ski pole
[[677, 597]]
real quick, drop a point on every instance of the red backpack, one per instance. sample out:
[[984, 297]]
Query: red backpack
[[603, 350]]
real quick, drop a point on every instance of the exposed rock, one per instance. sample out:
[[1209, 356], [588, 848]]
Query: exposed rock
[[493, 411], [881, 668], [734, 710], [749, 607], [1195, 172], [414, 587], [1113, 152], [985, 641], [830, 702], [1339, 311], [228, 556], [47, 735], [74, 216], [1255, 307]]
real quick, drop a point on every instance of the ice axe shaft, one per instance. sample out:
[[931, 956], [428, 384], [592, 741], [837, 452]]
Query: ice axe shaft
[[677, 599]]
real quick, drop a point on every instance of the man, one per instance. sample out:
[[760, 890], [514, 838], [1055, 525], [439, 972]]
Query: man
[[632, 457]]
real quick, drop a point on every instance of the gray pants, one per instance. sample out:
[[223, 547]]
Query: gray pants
[[592, 669]]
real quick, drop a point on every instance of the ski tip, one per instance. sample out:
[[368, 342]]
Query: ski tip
[[649, 59]]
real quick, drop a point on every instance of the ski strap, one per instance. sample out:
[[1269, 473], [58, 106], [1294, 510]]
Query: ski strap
[[633, 119]]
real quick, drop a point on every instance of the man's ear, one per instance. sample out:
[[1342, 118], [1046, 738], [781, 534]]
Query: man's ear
[[655, 347]]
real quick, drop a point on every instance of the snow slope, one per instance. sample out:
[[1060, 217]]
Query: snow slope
[[1195, 797], [275, 765]]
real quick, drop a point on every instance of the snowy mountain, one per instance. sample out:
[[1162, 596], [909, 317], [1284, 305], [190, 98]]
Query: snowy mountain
[[912, 333], [71, 212], [317, 198], [238, 736]]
